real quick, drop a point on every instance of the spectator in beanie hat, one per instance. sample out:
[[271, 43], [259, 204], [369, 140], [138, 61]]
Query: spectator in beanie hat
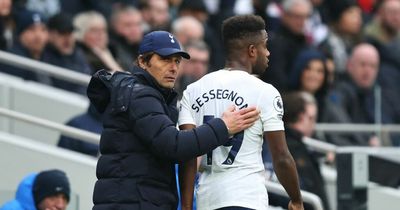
[[51, 188], [48, 189], [31, 39], [32, 34]]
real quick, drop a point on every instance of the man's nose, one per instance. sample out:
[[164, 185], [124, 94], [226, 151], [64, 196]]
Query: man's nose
[[61, 203]]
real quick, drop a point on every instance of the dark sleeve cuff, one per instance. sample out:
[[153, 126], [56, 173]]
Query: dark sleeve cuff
[[220, 130]]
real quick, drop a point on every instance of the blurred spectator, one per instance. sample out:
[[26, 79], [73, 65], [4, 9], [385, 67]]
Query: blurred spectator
[[357, 93], [345, 27], [187, 29], [62, 51], [173, 8], [309, 74], [287, 42], [47, 8], [7, 25], [384, 33], [90, 121], [92, 37], [368, 8], [155, 14], [198, 10], [300, 118], [196, 67], [104, 7], [32, 37], [75, 7], [126, 34], [316, 30], [49, 189]]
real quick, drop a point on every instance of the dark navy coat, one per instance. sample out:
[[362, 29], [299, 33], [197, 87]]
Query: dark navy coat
[[140, 142]]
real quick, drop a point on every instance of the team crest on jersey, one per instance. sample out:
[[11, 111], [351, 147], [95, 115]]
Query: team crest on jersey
[[278, 106]]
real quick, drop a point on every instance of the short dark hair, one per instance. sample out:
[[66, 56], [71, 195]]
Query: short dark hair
[[241, 27], [294, 103], [145, 58]]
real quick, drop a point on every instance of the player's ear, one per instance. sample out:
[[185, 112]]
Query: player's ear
[[251, 50], [140, 62]]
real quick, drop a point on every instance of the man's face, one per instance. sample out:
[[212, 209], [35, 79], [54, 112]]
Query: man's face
[[197, 66], [54, 202], [261, 62], [129, 25], [96, 36], [164, 69], [35, 37], [390, 15], [159, 14], [363, 67], [309, 118], [295, 19], [63, 42], [5, 7]]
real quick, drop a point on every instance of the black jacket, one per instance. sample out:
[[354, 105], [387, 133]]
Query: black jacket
[[90, 121], [75, 62], [140, 143], [307, 166]]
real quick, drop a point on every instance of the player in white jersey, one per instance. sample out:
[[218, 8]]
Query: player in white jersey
[[233, 175]]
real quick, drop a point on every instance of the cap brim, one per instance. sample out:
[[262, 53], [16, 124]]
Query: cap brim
[[171, 51]]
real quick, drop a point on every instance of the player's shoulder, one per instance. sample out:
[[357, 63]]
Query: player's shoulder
[[264, 85], [206, 79]]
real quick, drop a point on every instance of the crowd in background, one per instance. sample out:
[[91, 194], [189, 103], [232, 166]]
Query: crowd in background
[[345, 53]]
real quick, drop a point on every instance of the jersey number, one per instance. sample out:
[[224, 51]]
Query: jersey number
[[235, 142]]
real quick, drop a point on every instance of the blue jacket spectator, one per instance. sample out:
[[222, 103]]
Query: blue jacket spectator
[[90, 121], [24, 197], [48, 189]]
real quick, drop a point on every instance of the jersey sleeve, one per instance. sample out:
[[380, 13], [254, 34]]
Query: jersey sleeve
[[185, 112], [271, 109]]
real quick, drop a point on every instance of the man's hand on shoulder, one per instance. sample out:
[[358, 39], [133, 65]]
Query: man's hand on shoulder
[[238, 120]]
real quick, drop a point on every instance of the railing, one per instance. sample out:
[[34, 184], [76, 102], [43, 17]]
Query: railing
[[40, 67], [63, 129], [94, 138], [319, 145], [309, 198], [350, 128], [381, 131]]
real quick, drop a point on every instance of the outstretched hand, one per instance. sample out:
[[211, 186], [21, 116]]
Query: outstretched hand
[[238, 120]]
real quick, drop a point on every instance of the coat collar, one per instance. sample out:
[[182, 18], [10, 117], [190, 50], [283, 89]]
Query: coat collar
[[146, 78]]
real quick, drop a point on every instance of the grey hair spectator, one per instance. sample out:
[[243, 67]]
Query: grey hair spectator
[[187, 28], [84, 21]]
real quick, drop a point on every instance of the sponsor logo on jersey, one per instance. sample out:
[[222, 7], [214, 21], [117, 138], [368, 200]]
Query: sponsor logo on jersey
[[278, 106]]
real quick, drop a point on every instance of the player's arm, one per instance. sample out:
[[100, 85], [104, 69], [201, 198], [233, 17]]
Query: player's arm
[[285, 167], [187, 175]]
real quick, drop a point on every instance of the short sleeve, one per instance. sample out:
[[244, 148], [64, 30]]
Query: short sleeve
[[271, 109], [185, 112]]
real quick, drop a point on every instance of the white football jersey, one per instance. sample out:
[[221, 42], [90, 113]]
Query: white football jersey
[[232, 174]]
